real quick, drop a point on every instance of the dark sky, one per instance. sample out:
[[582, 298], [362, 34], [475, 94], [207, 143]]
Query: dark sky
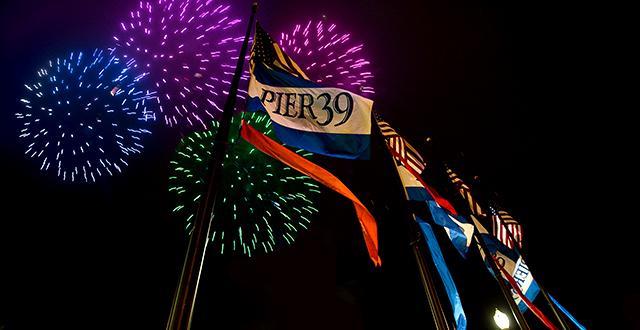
[[512, 93]]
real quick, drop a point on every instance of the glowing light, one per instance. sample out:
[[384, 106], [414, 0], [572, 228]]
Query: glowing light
[[263, 200], [78, 123], [190, 47], [501, 319], [328, 56]]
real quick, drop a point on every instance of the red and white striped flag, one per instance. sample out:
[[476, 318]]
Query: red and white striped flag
[[503, 224], [466, 193], [402, 148]]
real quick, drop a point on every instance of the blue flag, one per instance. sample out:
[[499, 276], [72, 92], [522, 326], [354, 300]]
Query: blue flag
[[324, 120], [443, 270], [459, 230]]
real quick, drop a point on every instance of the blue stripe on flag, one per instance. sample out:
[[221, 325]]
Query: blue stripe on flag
[[493, 244], [531, 294], [348, 146], [456, 233], [445, 275], [254, 104], [275, 78], [418, 194]]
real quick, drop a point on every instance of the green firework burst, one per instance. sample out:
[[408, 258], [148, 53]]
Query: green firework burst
[[262, 205]]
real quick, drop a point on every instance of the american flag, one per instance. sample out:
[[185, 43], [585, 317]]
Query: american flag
[[402, 150], [503, 224], [466, 193], [267, 51]]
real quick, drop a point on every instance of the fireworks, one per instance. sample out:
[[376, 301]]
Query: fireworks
[[190, 49], [263, 203], [328, 56], [85, 114]]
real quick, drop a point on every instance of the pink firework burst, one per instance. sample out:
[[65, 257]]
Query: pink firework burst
[[190, 48], [328, 56]]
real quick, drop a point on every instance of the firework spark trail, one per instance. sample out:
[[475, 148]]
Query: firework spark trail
[[328, 56], [85, 114], [264, 202], [190, 49]]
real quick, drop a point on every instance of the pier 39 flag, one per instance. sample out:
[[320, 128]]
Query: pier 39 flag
[[512, 263], [324, 120]]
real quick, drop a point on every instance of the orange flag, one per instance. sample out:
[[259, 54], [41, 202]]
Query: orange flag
[[279, 152]]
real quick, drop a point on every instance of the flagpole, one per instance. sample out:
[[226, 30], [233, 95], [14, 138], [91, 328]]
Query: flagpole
[[515, 311], [542, 290], [517, 314], [427, 283], [184, 300], [425, 276]]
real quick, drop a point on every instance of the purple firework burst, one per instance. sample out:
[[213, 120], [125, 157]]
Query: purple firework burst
[[190, 48], [329, 56]]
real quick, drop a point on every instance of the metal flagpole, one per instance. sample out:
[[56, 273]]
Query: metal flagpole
[[437, 312], [184, 300], [514, 308], [429, 288], [518, 316], [542, 290], [515, 311]]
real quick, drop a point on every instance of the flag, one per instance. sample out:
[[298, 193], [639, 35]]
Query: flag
[[409, 165], [512, 263], [324, 120], [459, 230], [465, 192], [300, 164], [416, 187], [502, 222], [445, 275], [267, 51], [503, 226], [416, 191], [404, 151]]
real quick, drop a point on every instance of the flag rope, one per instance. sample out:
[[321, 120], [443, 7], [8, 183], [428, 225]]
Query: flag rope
[[529, 304]]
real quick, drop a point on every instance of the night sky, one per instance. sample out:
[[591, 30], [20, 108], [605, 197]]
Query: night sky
[[511, 94]]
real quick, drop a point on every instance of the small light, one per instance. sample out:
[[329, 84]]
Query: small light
[[501, 319]]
